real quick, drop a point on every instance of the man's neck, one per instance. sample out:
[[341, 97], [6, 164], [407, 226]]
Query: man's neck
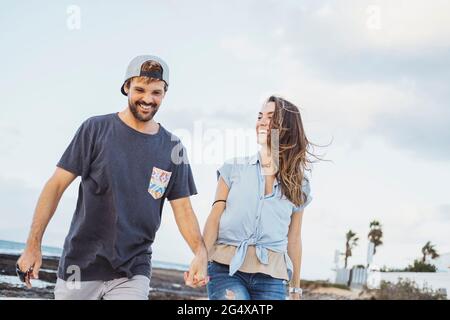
[[147, 127]]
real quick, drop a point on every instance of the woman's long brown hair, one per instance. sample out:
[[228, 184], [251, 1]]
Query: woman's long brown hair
[[293, 149]]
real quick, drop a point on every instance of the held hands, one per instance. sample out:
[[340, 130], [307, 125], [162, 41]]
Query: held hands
[[28, 265], [197, 276]]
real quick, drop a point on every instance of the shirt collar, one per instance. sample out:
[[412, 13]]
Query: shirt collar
[[253, 159]]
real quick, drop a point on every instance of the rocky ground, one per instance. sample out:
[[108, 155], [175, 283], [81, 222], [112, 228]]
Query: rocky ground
[[165, 285]]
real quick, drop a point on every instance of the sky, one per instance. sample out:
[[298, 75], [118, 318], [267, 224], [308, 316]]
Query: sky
[[370, 77]]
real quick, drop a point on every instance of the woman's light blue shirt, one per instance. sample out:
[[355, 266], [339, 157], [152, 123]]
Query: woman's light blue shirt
[[252, 218]]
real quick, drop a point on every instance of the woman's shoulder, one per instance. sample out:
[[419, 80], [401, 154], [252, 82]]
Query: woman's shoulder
[[233, 168]]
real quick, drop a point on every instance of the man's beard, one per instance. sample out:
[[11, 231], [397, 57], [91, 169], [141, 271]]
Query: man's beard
[[137, 113]]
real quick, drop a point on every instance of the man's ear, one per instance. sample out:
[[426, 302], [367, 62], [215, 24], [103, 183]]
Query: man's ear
[[126, 87]]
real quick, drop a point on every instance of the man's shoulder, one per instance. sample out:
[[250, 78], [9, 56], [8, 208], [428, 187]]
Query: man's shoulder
[[100, 119], [169, 136], [98, 122]]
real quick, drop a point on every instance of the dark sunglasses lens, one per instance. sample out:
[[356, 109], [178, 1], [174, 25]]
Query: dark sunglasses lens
[[20, 274]]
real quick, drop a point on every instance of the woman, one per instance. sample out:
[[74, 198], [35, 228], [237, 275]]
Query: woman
[[253, 231]]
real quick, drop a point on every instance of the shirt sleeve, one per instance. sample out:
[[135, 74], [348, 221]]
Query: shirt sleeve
[[225, 172], [306, 191], [184, 185], [77, 157]]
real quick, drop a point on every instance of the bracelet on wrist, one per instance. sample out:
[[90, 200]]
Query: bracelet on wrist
[[296, 290]]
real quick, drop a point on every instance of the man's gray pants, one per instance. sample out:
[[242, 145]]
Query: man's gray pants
[[135, 288]]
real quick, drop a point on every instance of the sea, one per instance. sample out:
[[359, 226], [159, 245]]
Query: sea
[[12, 247]]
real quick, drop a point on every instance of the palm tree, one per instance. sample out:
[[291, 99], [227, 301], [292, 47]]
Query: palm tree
[[352, 242], [375, 234], [429, 250]]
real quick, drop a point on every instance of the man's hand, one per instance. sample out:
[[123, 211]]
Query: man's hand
[[30, 260], [189, 228], [197, 276]]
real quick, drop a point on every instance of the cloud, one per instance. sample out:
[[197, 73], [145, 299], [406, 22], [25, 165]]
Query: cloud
[[419, 132], [355, 81], [242, 49], [359, 25], [9, 136], [443, 212]]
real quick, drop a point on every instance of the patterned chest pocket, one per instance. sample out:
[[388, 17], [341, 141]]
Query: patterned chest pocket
[[158, 182]]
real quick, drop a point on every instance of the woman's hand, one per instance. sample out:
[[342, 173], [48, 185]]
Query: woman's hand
[[197, 276]]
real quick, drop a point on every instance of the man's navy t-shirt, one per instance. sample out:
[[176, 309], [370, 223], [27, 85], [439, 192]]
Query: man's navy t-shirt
[[125, 177]]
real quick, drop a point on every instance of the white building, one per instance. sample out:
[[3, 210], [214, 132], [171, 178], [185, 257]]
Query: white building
[[372, 277]]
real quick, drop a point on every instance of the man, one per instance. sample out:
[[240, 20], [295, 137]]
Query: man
[[129, 164]]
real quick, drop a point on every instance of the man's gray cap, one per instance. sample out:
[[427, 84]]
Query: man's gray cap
[[135, 66]]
